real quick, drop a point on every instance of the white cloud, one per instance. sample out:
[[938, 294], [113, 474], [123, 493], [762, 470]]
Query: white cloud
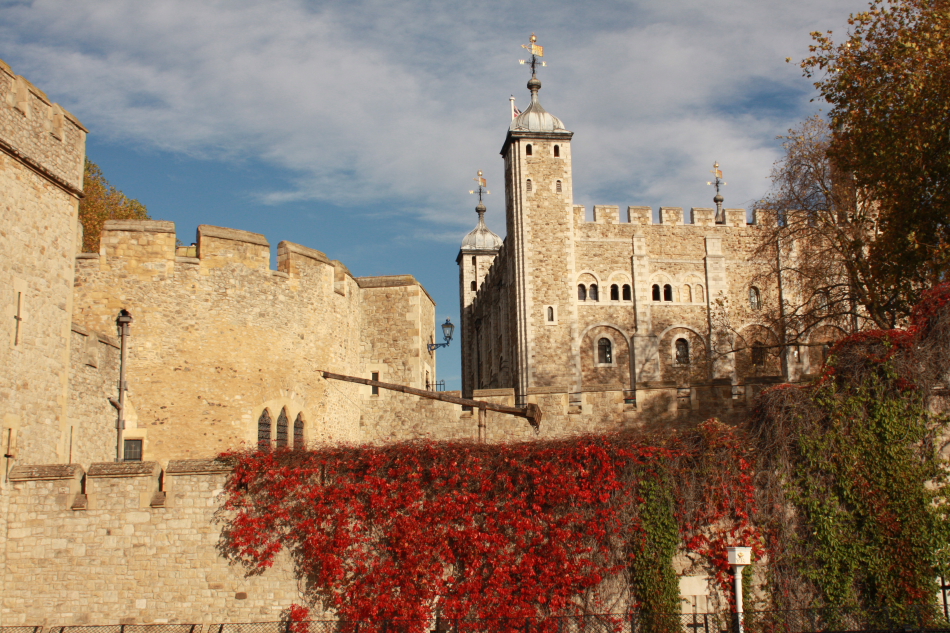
[[398, 103]]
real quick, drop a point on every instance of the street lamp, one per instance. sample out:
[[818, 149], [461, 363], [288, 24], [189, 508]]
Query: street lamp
[[739, 557], [448, 329]]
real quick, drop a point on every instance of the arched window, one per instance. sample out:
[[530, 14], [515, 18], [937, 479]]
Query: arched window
[[528, 185], [473, 286], [593, 293], [614, 292], [699, 294], [656, 292], [754, 301], [282, 429], [581, 292], [687, 296], [263, 431], [527, 150], [550, 314], [557, 186], [298, 431], [682, 352], [626, 292], [667, 292], [557, 151], [758, 353], [605, 352]]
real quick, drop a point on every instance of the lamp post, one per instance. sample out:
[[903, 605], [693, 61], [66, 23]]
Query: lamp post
[[122, 323], [448, 329], [739, 557]]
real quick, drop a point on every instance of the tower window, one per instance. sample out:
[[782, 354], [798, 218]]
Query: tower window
[[593, 293], [557, 186], [282, 429], [605, 354], [626, 292], [667, 292], [132, 450], [375, 389], [758, 354], [263, 431], [755, 301], [581, 292], [682, 352], [298, 431], [528, 185], [557, 151], [473, 286], [527, 150], [473, 260], [614, 292], [550, 314], [656, 292]]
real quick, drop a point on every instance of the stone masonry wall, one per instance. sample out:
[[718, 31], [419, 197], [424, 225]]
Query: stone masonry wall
[[42, 148], [93, 379]]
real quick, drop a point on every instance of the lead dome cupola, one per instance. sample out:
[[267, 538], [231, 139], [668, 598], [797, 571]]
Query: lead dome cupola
[[481, 237], [535, 118]]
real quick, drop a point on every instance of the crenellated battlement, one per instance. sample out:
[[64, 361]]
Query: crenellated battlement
[[668, 216], [39, 133]]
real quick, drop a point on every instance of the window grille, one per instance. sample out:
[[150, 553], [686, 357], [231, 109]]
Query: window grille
[[529, 185], [132, 450], [558, 187], [263, 430], [282, 429], [682, 351], [604, 351]]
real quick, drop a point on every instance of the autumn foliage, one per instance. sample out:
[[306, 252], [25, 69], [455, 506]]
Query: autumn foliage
[[103, 202]]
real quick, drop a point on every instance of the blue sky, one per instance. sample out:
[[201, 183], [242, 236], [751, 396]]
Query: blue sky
[[356, 127]]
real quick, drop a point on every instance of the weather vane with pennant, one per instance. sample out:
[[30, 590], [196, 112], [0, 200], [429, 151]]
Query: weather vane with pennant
[[482, 185], [536, 53], [718, 182]]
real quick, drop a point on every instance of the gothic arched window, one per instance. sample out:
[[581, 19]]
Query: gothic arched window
[[263, 430], [614, 292], [557, 151], [605, 352], [754, 301], [527, 150], [758, 353], [581, 292], [557, 186], [593, 293], [682, 352], [298, 431], [656, 292], [626, 292], [667, 292], [282, 429]]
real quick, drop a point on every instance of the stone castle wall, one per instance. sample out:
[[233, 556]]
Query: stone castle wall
[[93, 380], [42, 148]]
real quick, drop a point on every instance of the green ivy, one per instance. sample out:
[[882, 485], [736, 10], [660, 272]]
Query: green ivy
[[652, 578]]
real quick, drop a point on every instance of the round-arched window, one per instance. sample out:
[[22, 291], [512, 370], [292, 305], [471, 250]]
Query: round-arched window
[[626, 292], [263, 430], [581, 292], [605, 352], [527, 150], [656, 292], [550, 314], [593, 293], [667, 292], [614, 292], [681, 350], [755, 302]]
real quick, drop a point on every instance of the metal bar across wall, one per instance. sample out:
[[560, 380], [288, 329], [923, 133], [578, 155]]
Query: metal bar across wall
[[531, 412]]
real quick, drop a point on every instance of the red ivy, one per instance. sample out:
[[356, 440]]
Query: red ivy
[[472, 531]]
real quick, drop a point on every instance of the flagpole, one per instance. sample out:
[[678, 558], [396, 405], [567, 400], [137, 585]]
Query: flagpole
[[511, 99]]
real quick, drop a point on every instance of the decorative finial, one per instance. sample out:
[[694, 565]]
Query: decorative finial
[[536, 53], [720, 219], [482, 184]]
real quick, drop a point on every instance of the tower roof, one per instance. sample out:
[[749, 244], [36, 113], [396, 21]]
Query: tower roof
[[481, 237], [535, 118]]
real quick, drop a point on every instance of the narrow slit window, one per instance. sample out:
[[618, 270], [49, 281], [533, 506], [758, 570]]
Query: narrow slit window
[[298, 431], [557, 151], [550, 314], [473, 260], [528, 185], [527, 150], [681, 351], [605, 352], [581, 292], [281, 434], [473, 286], [593, 293], [375, 389], [557, 186], [626, 292], [263, 430], [656, 292], [667, 292]]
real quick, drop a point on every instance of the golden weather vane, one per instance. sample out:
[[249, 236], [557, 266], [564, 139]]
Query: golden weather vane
[[536, 52], [482, 184]]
